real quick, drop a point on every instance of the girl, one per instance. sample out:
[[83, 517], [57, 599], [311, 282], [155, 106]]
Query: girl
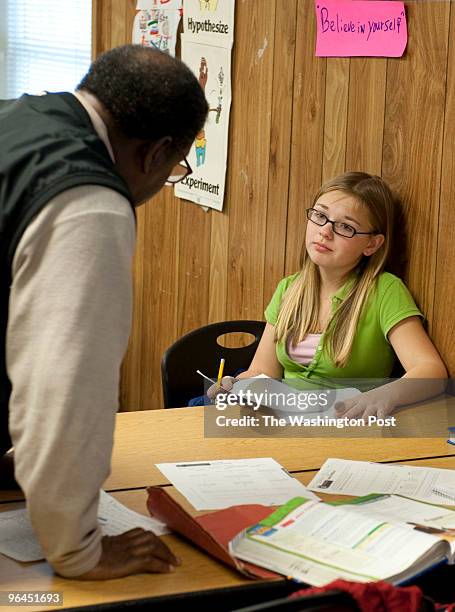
[[343, 315]]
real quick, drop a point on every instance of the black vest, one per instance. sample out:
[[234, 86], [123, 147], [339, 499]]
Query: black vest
[[47, 145]]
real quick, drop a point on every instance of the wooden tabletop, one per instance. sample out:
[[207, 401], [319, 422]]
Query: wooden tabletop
[[144, 438], [159, 436], [198, 570]]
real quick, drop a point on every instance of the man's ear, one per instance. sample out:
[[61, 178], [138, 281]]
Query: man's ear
[[374, 244], [155, 153]]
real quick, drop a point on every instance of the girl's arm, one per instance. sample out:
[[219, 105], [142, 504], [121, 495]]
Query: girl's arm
[[265, 360], [415, 350], [419, 358]]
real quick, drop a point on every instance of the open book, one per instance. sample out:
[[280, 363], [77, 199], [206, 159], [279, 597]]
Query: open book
[[285, 399], [376, 537]]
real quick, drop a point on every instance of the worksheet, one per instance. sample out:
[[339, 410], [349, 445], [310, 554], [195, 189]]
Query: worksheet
[[349, 477], [213, 485]]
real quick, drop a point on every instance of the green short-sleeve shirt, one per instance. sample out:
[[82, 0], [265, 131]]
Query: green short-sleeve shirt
[[372, 355]]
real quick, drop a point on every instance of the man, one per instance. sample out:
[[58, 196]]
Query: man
[[72, 169]]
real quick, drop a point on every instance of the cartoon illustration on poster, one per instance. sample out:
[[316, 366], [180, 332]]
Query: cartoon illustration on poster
[[157, 24], [208, 5]]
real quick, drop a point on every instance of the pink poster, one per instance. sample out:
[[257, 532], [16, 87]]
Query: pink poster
[[347, 28]]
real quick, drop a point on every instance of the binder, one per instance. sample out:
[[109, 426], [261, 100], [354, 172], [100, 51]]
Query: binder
[[211, 532]]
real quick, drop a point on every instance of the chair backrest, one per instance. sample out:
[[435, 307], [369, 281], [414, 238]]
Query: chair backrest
[[199, 350]]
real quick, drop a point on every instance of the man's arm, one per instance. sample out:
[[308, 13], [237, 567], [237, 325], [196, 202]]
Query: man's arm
[[69, 321]]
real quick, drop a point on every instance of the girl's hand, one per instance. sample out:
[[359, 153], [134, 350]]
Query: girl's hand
[[365, 405], [227, 382]]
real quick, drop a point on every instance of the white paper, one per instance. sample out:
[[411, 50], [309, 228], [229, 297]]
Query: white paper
[[415, 514], [348, 477], [213, 485], [115, 518], [285, 399], [18, 540]]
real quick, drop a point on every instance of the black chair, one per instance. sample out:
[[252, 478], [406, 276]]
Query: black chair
[[199, 350]]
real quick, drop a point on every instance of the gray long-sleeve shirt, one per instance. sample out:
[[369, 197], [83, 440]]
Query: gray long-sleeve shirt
[[69, 322]]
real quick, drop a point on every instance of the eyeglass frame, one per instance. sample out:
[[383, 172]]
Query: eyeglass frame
[[327, 220], [185, 164]]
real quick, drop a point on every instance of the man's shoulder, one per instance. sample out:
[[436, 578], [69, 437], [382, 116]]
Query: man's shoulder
[[85, 205], [90, 199]]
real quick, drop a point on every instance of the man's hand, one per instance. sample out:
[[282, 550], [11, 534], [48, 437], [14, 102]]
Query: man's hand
[[133, 552]]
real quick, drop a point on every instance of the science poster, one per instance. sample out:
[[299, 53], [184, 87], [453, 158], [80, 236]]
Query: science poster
[[206, 49]]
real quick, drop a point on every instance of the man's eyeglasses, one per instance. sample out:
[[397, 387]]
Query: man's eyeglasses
[[179, 172], [340, 228]]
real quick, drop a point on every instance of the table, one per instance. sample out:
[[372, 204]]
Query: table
[[144, 438], [159, 436], [197, 572]]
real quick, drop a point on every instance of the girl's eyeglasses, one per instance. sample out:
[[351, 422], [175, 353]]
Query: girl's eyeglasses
[[340, 228]]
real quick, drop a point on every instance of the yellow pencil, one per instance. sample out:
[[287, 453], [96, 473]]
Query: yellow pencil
[[220, 372]]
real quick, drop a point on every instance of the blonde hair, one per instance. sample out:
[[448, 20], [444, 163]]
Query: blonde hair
[[299, 311]]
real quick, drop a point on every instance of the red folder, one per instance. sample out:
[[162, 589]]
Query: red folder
[[212, 532]]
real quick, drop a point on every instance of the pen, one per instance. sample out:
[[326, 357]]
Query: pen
[[191, 464], [220, 372], [206, 377]]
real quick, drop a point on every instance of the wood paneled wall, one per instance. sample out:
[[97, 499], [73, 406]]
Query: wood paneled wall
[[297, 120]]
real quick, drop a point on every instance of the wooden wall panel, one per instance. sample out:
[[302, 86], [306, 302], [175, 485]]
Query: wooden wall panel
[[413, 133], [296, 120], [335, 117], [365, 121], [194, 268], [160, 294], [119, 22], [443, 328], [132, 368], [280, 146], [219, 249], [307, 132], [249, 158]]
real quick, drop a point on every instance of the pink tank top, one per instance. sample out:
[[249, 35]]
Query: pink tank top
[[304, 351]]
